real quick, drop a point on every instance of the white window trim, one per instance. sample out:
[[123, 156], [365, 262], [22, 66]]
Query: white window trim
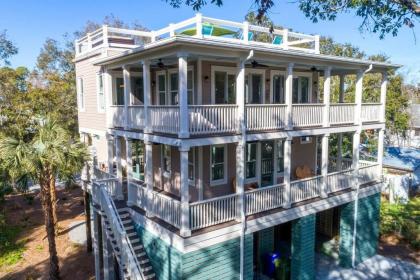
[[277, 174], [135, 75], [249, 72], [224, 180], [168, 89], [81, 94], [272, 74], [295, 75], [217, 68], [100, 76]]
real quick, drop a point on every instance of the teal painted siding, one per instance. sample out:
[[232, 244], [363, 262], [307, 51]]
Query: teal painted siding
[[220, 261], [266, 242], [367, 230], [166, 260], [303, 248]]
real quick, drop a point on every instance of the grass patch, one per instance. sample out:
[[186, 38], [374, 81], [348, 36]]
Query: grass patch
[[402, 220], [11, 251]]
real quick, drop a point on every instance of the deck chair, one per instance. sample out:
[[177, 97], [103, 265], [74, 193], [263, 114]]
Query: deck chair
[[277, 40]]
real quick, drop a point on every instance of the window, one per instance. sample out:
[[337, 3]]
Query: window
[[301, 90], [80, 94], [137, 90], [161, 88], [278, 89], [166, 159], [217, 158], [224, 86], [280, 156], [118, 96], [138, 159], [305, 139], [191, 170], [251, 160], [173, 88], [254, 88], [100, 92]]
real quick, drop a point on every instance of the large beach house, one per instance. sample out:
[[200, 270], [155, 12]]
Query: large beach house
[[212, 145]]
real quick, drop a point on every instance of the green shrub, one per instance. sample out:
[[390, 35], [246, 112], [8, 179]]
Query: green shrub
[[402, 220], [10, 251]]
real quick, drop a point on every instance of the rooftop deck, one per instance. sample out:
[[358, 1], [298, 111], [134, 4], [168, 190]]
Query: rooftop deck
[[200, 27]]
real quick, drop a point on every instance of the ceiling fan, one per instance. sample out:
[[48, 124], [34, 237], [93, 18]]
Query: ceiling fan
[[255, 64]]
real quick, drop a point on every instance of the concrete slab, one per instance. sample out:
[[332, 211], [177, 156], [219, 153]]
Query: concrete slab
[[77, 232]]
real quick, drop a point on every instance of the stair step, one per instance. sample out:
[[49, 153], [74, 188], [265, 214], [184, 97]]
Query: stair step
[[122, 210], [129, 228], [141, 254], [147, 268], [138, 247], [131, 234], [126, 221], [124, 215], [151, 276]]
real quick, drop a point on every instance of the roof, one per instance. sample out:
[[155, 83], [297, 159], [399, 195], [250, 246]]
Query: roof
[[402, 158]]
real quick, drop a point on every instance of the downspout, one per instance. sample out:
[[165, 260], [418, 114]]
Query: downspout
[[243, 214]]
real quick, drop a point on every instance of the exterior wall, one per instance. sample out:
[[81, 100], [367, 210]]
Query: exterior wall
[[367, 231], [265, 243], [303, 154], [303, 248], [101, 145], [90, 117], [220, 261]]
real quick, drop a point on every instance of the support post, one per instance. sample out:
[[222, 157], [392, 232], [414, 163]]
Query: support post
[[341, 90], [355, 163], [358, 98], [240, 180], [127, 95], [200, 174], [110, 151], [97, 244], [327, 93], [88, 221], [119, 192], [185, 230], [287, 171], [183, 96], [240, 97], [108, 97], [289, 96], [383, 95], [381, 147], [147, 95], [324, 166], [199, 25], [339, 162], [245, 32], [148, 178], [108, 259], [131, 190]]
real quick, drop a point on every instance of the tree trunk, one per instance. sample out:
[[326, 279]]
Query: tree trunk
[[47, 206], [54, 203], [88, 222]]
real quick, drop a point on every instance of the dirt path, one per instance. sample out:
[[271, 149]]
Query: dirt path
[[75, 263]]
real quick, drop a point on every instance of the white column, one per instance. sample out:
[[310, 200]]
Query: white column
[[240, 180], [110, 151], [340, 152], [147, 95], [324, 166], [185, 192], [381, 147], [341, 90], [327, 92], [383, 95], [358, 97], [240, 96], [287, 171], [200, 174], [119, 192], [355, 163], [148, 176], [183, 96], [131, 190], [289, 96], [199, 25], [245, 31], [127, 94], [108, 97]]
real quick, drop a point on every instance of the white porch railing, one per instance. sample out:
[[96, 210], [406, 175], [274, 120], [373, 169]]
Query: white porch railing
[[164, 119], [248, 34], [138, 194], [102, 175], [166, 208], [338, 181], [265, 116], [213, 211], [342, 113], [369, 173], [117, 115], [136, 116], [305, 189], [371, 112], [213, 119], [306, 115], [346, 163], [263, 199]]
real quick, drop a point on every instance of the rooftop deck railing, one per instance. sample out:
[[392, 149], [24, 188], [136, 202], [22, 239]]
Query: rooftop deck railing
[[199, 27]]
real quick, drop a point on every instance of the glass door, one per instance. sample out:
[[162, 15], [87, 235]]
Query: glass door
[[267, 159]]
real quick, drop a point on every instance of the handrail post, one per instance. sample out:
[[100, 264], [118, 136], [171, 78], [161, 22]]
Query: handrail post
[[317, 44], [105, 36], [383, 96], [289, 96], [199, 25], [171, 30], [324, 166], [149, 177], [327, 92], [286, 39], [184, 131], [89, 42], [127, 95], [245, 31], [147, 95]]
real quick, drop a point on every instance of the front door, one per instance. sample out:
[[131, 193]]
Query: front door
[[267, 160]]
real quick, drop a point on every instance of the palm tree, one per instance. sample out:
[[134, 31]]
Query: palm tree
[[49, 152]]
